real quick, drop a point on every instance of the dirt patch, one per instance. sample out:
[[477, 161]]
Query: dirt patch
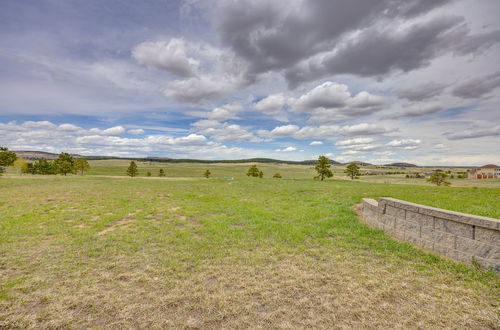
[[122, 223], [174, 208]]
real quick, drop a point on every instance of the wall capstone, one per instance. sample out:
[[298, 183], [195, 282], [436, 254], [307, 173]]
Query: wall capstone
[[460, 236]]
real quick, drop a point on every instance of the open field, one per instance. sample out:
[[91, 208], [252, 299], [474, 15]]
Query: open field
[[107, 252]]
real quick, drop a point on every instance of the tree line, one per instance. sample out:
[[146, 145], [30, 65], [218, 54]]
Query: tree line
[[64, 164]]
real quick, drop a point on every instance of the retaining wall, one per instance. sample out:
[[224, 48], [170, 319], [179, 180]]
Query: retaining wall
[[455, 235]]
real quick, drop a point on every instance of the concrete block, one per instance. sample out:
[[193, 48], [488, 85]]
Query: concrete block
[[488, 236], [427, 233], [388, 220], [456, 228], [422, 219], [444, 239], [444, 250], [460, 217], [476, 248], [411, 228], [398, 213], [401, 204]]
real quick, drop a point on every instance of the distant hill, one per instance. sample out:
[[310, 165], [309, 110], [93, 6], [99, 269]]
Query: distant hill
[[360, 163], [33, 155], [401, 165]]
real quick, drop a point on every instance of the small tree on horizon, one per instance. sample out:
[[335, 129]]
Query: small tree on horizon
[[81, 165], [148, 174], [207, 174], [323, 168], [352, 171], [161, 173], [261, 174], [439, 178], [132, 169], [277, 176], [253, 171]]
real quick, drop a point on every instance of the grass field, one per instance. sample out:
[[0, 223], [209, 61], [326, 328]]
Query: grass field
[[104, 252]]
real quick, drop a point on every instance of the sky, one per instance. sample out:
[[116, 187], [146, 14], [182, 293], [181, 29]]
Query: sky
[[378, 81]]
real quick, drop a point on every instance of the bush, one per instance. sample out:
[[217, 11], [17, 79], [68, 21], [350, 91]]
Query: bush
[[277, 176]]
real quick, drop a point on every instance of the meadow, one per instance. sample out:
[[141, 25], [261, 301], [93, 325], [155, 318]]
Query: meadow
[[107, 251]]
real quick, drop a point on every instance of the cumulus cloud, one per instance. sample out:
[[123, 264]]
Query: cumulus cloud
[[333, 101], [323, 131], [477, 87], [224, 132], [355, 141], [272, 105], [287, 149], [169, 55], [112, 131], [407, 144], [225, 112], [315, 143], [137, 131]]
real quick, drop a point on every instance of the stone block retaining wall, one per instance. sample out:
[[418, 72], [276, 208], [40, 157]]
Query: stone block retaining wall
[[455, 235]]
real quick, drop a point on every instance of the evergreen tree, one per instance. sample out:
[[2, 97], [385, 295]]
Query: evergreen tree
[[44, 167], [352, 171], [161, 173], [207, 174], [261, 174], [439, 178], [7, 158], [20, 165], [132, 169], [148, 174], [65, 163], [253, 171], [323, 168], [81, 165]]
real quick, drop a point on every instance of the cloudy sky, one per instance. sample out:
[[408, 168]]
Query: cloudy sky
[[373, 80]]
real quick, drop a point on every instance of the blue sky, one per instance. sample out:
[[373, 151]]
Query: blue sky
[[378, 81]]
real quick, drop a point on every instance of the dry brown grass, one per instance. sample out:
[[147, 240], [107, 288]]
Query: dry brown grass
[[248, 291]]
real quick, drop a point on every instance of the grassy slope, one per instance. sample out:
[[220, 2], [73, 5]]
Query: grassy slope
[[95, 252]]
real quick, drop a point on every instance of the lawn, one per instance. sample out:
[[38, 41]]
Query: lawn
[[104, 252]]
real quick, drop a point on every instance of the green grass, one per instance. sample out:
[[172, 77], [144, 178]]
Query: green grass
[[120, 252]]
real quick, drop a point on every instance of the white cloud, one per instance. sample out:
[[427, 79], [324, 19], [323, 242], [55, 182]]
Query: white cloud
[[169, 55], [407, 144], [225, 112], [355, 141], [224, 132], [287, 149], [271, 105], [316, 143], [137, 131], [113, 131]]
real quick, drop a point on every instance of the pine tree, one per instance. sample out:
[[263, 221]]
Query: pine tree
[[323, 168], [81, 165], [161, 173], [352, 171], [439, 178], [64, 164], [253, 171], [148, 174], [132, 169], [207, 174], [261, 174], [7, 158]]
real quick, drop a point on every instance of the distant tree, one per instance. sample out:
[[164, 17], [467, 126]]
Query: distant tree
[[132, 169], [7, 158], [81, 165], [439, 178], [65, 163], [161, 173], [352, 171], [253, 171], [277, 176], [207, 174], [30, 168], [44, 167], [148, 174], [20, 165], [261, 174], [323, 168]]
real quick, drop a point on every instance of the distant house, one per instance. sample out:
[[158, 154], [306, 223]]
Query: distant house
[[489, 171]]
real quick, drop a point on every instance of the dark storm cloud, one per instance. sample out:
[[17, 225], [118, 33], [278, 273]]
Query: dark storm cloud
[[421, 92], [309, 40], [477, 87]]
